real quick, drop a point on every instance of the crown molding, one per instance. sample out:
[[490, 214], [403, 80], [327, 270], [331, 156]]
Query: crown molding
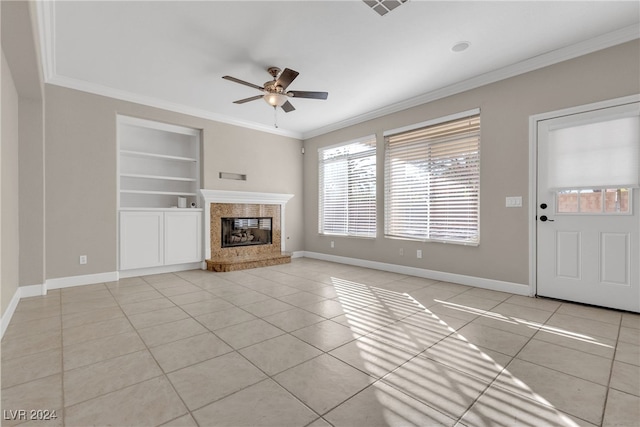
[[46, 23], [604, 41], [122, 95], [46, 32]]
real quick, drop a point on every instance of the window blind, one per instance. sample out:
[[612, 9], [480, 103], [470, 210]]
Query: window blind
[[432, 182], [596, 155], [347, 193]]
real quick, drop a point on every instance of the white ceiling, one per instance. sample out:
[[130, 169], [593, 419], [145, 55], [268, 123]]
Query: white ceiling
[[172, 54]]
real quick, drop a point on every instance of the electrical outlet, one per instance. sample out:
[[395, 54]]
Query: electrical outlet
[[333, 244], [83, 259], [419, 253], [401, 251]]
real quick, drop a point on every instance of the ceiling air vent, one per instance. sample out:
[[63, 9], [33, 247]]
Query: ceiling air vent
[[382, 7]]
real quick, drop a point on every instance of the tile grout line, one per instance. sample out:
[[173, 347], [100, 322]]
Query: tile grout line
[[493, 381], [272, 377], [237, 351], [613, 359], [163, 374], [233, 350], [111, 358], [273, 278], [268, 377], [505, 368], [62, 372]]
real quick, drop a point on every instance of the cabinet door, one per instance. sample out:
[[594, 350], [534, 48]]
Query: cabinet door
[[182, 237], [141, 240]]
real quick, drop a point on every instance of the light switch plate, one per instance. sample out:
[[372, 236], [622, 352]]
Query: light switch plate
[[513, 201]]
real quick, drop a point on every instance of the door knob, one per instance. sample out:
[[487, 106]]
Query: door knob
[[544, 218]]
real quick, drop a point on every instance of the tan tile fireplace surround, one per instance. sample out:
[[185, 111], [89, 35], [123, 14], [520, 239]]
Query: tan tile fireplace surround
[[220, 204]]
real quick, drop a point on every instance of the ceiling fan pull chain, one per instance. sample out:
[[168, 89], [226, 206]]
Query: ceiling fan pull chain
[[275, 117]]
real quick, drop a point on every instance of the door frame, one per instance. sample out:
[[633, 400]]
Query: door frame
[[533, 172]]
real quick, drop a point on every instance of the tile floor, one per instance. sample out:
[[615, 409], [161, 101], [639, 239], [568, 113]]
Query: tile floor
[[313, 343]]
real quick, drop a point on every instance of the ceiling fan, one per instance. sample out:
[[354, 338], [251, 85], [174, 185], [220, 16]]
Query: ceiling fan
[[275, 91]]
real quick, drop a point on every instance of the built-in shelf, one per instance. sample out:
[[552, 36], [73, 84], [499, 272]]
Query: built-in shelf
[[158, 167], [168, 178], [158, 163], [162, 209], [157, 156], [160, 193]]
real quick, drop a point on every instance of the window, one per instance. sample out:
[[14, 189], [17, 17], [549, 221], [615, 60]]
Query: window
[[594, 201], [347, 176], [432, 181]]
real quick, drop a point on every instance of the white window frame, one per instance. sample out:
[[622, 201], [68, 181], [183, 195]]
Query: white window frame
[[412, 210], [343, 215]]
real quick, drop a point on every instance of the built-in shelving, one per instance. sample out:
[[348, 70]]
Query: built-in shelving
[[158, 163]]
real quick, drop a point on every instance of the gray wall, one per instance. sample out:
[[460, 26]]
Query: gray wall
[[80, 174], [9, 185], [78, 167], [19, 46], [505, 110], [31, 190]]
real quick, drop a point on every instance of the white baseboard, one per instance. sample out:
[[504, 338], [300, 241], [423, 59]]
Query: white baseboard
[[86, 279], [32, 291], [8, 314], [21, 292], [478, 282], [89, 279], [163, 269]]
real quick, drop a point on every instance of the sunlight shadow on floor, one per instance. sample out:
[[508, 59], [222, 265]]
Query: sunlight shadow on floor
[[425, 368]]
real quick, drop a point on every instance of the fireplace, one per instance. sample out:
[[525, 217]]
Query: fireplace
[[249, 209], [245, 231]]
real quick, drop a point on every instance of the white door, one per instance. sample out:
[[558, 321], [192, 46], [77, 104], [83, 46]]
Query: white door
[[141, 239], [588, 208]]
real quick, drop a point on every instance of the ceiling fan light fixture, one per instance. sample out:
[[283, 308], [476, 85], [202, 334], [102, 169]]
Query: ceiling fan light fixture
[[275, 99]]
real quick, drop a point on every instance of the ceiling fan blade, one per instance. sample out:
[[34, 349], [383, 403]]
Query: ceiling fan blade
[[242, 82], [286, 77], [307, 94], [253, 98], [287, 107]]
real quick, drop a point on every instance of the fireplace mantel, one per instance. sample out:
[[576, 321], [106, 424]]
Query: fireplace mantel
[[226, 196], [241, 197]]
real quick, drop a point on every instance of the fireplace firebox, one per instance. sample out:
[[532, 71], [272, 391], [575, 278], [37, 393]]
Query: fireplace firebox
[[245, 231]]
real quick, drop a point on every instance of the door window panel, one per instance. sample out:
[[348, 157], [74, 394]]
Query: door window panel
[[617, 200], [567, 201], [611, 201]]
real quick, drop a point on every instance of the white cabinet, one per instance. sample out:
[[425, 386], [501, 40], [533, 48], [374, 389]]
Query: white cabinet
[[141, 240], [160, 238], [157, 164], [182, 237]]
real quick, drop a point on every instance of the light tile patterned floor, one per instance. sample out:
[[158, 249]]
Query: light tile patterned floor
[[313, 343]]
